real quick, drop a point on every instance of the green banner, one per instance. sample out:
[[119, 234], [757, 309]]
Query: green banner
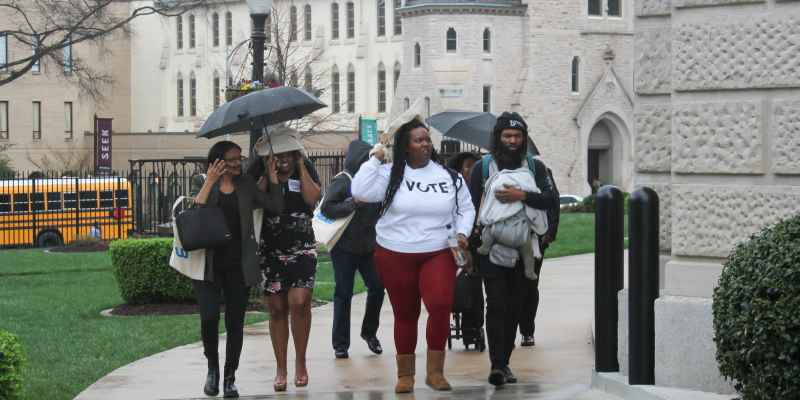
[[368, 130]]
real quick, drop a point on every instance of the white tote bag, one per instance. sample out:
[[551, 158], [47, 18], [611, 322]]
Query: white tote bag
[[189, 263], [326, 230]]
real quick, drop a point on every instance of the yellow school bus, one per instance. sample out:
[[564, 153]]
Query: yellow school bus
[[52, 212]]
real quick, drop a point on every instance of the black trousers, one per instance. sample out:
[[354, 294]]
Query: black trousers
[[345, 265], [473, 319], [228, 287], [529, 302], [504, 288]]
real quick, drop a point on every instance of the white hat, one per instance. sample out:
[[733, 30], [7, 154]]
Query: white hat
[[281, 139], [407, 116]]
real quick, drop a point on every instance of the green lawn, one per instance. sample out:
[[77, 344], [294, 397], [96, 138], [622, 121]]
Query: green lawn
[[53, 300], [323, 288], [575, 235]]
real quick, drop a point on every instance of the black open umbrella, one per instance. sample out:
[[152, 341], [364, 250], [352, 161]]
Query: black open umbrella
[[259, 109], [469, 127]]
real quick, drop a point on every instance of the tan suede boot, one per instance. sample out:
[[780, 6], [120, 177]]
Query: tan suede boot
[[435, 378], [405, 373]]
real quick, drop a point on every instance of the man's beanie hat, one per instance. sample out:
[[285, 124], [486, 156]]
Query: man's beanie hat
[[510, 120]]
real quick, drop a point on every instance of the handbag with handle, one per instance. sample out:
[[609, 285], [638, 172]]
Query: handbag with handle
[[326, 230], [189, 263], [202, 228], [192, 263]]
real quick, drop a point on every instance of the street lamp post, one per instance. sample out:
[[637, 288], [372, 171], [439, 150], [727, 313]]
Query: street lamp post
[[259, 10]]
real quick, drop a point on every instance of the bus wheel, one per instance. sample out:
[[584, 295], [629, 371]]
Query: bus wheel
[[49, 239]]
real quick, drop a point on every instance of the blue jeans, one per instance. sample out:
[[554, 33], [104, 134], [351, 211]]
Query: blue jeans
[[345, 265]]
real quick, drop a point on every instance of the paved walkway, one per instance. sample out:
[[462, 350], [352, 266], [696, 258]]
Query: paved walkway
[[559, 367]]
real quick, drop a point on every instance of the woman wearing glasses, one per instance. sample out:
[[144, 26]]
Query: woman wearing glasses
[[233, 268]]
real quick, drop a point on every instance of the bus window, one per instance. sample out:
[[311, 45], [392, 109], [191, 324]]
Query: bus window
[[53, 200], [21, 202], [70, 200], [5, 203], [37, 201], [106, 199], [88, 199], [122, 198]]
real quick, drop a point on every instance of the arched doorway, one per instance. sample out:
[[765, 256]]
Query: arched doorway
[[604, 158]]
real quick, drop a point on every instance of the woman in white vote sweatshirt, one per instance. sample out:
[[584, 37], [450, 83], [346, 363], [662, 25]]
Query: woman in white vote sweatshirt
[[424, 204]]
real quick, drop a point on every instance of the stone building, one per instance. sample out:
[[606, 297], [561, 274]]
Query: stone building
[[566, 66], [717, 135], [349, 51]]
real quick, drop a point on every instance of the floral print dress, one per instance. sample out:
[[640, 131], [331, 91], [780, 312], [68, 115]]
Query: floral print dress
[[288, 253]]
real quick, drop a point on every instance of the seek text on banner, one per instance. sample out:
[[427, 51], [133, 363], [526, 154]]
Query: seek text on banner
[[102, 146]]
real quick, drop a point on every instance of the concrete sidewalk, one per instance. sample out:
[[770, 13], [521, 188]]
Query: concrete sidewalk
[[559, 367]]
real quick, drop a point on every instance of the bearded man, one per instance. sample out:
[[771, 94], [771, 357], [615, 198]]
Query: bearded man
[[506, 286]]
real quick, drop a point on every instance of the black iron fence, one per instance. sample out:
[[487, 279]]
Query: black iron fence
[[158, 183]]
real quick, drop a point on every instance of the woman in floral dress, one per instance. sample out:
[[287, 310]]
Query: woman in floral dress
[[288, 255]]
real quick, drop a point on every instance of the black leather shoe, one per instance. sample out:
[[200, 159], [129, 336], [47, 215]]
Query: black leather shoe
[[341, 353], [528, 341], [229, 390], [374, 344], [497, 377], [510, 378], [212, 382]]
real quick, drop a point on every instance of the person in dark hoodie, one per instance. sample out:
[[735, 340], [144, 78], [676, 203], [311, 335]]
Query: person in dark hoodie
[[505, 285], [353, 252]]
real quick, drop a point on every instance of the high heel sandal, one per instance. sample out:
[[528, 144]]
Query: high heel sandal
[[279, 386], [301, 381]]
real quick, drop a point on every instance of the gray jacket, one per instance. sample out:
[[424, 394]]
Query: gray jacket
[[250, 198]]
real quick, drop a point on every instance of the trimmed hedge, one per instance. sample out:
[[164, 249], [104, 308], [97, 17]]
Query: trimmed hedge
[[141, 267], [12, 359], [757, 314]]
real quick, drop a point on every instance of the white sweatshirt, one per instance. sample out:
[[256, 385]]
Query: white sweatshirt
[[422, 209]]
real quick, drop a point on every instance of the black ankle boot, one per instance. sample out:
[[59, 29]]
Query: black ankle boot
[[228, 388], [212, 382]]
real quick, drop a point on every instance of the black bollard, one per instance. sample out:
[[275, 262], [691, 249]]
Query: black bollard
[[608, 275], [642, 285]]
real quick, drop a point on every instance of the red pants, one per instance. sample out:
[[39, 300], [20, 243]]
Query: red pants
[[409, 278]]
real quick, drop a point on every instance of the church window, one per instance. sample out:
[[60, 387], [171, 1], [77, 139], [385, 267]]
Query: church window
[[381, 88], [452, 40], [381, 17], [614, 8], [595, 7], [575, 74]]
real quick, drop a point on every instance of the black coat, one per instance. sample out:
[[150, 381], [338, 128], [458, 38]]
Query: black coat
[[359, 237]]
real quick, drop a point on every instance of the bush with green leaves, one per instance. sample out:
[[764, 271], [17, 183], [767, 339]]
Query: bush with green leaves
[[11, 360], [141, 267], [757, 314]]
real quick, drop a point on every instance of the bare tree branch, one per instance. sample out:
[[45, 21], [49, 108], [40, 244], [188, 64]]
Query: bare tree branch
[[50, 26]]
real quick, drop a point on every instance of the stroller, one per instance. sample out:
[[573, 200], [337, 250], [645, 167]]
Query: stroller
[[467, 320]]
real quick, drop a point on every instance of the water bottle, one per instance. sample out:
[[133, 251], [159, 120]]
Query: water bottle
[[458, 252]]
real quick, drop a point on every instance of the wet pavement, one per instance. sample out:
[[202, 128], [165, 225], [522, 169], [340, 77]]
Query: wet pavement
[[508, 392], [558, 367]]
